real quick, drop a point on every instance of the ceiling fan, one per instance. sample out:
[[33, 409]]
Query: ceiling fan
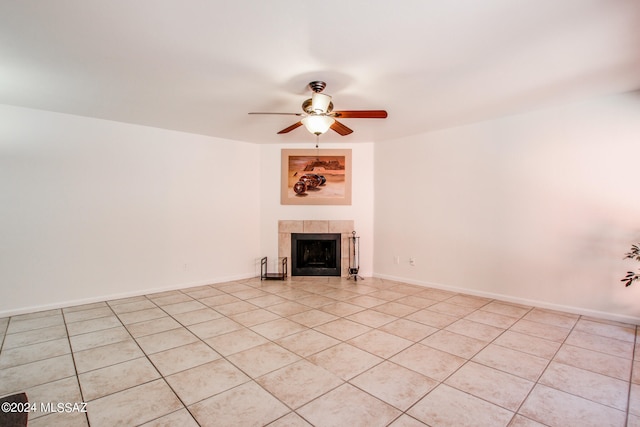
[[319, 116]]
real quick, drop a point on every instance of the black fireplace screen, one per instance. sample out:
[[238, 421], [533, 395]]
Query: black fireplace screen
[[315, 254]]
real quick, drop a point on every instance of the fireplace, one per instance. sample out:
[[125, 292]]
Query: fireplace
[[316, 254], [287, 227]]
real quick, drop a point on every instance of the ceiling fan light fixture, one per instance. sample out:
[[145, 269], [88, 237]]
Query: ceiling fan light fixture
[[317, 124], [320, 102]]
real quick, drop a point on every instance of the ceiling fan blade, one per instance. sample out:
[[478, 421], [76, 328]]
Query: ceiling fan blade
[[361, 114], [290, 128], [340, 128], [282, 114]]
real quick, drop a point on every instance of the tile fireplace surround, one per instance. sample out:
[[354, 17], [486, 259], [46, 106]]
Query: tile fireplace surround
[[286, 227]]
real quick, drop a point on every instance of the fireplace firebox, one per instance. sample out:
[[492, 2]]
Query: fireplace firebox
[[315, 254]]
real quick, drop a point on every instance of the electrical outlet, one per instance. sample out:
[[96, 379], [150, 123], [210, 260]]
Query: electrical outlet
[[412, 261], [397, 259]]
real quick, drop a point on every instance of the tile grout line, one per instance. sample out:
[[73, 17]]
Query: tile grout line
[[292, 410], [488, 344], [164, 379], [475, 309], [343, 382], [251, 379], [4, 335], [535, 383], [404, 412], [306, 358], [633, 358], [467, 362], [75, 367], [147, 356], [118, 363]]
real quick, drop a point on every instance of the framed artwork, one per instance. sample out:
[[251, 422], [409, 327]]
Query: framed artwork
[[316, 177]]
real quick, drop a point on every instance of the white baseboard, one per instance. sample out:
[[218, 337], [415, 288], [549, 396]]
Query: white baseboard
[[110, 297], [508, 298]]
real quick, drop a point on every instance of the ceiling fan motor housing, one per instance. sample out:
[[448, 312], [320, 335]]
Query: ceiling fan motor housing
[[317, 86]]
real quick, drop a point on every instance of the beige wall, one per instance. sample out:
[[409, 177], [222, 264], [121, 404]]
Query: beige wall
[[92, 209], [538, 207]]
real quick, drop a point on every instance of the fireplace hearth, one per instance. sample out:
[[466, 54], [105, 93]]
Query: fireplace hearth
[[316, 254]]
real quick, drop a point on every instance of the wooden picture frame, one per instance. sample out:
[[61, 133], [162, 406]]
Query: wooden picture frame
[[325, 173]]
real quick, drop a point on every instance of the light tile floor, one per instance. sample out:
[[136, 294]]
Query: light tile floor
[[322, 352]]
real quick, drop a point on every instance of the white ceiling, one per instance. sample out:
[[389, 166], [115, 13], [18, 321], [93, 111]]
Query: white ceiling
[[201, 65]]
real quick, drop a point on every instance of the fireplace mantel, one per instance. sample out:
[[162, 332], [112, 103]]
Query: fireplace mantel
[[286, 227]]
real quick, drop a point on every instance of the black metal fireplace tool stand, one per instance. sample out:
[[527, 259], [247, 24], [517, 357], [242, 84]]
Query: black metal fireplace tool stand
[[354, 257]]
